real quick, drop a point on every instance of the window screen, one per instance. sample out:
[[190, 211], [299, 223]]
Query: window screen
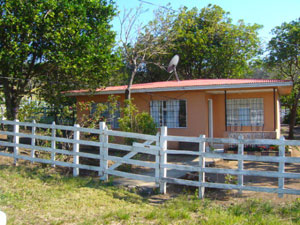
[[171, 113], [245, 112]]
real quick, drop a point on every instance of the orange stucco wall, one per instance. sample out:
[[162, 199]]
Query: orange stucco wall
[[197, 109], [195, 102]]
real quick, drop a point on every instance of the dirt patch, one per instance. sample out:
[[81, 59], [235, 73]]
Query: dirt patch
[[231, 196]]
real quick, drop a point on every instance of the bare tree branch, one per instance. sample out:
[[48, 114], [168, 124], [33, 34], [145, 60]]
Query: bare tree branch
[[140, 45]]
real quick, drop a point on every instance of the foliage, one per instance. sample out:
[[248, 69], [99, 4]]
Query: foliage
[[42, 112], [230, 179], [91, 113], [209, 45], [49, 46], [30, 111], [283, 58], [259, 148], [134, 121]]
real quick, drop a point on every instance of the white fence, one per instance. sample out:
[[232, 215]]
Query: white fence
[[155, 145]]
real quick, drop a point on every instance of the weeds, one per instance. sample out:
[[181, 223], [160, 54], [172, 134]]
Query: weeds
[[59, 199], [230, 179]]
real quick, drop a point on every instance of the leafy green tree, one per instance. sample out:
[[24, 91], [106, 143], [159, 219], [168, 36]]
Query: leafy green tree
[[283, 57], [209, 45], [54, 45]]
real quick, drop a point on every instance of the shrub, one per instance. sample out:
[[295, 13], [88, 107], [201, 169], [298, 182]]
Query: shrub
[[134, 121]]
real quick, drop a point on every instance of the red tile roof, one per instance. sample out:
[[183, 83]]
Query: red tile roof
[[187, 83]]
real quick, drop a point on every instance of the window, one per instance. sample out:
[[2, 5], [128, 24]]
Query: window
[[171, 113], [245, 112], [107, 116]]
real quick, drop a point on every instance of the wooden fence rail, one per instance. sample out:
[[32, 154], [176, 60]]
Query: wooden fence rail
[[156, 145]]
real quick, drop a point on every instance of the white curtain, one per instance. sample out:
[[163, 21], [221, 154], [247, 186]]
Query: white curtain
[[257, 112], [172, 118], [245, 112], [176, 113], [154, 111]]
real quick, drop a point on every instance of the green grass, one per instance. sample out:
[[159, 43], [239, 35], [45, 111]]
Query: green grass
[[41, 196]]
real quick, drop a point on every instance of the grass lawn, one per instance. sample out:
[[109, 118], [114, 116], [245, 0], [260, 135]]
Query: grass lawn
[[39, 195]]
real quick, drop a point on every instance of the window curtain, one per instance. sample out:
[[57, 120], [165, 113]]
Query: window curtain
[[170, 114], [176, 113], [253, 112], [257, 112], [245, 112], [154, 111]]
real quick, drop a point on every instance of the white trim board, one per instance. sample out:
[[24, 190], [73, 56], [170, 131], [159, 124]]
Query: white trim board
[[241, 91], [188, 88]]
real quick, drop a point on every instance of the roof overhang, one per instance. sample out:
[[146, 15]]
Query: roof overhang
[[284, 86], [235, 91]]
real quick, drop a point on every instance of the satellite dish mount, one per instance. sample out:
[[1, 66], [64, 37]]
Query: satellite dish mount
[[172, 66]]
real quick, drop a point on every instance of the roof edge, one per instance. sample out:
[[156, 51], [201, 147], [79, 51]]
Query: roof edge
[[188, 88]]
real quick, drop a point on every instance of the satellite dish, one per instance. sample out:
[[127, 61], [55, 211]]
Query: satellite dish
[[172, 65]]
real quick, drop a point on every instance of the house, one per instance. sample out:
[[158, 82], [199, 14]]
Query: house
[[214, 107]]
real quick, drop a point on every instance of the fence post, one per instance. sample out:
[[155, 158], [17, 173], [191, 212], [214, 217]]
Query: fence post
[[201, 166], [163, 159], [240, 163], [103, 151], [281, 167], [53, 144], [76, 150], [16, 140], [33, 129], [157, 158]]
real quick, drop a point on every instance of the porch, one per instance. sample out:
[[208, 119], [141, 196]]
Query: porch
[[254, 114]]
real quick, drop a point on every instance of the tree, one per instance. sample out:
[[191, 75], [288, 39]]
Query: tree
[[141, 44], [283, 57], [53, 45], [209, 44]]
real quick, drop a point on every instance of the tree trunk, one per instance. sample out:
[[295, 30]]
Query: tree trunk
[[127, 93], [130, 81], [293, 116], [12, 102]]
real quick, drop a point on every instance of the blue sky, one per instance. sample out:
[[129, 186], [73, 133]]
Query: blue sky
[[269, 13]]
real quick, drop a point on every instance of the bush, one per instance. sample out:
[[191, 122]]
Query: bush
[[30, 111], [133, 121]]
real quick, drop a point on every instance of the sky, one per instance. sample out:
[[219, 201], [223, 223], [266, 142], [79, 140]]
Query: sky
[[269, 13]]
